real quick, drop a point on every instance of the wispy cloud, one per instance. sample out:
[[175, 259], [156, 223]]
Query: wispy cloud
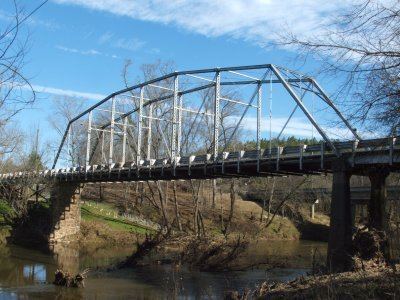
[[90, 52], [130, 44], [34, 21], [106, 37], [67, 93], [259, 21]]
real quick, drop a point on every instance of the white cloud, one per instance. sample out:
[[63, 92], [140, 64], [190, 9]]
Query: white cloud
[[131, 44], [90, 52], [258, 21], [154, 51], [297, 127], [68, 93], [105, 37]]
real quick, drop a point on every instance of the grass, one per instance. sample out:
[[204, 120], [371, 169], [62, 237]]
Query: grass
[[282, 228], [104, 213], [6, 212]]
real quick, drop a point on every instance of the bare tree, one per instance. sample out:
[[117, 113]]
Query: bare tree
[[160, 134], [65, 109], [363, 48], [232, 193], [16, 93], [176, 207]]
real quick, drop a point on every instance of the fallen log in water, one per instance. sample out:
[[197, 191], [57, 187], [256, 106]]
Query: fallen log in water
[[62, 278]]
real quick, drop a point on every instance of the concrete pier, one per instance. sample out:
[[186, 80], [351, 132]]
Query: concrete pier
[[377, 214], [340, 236]]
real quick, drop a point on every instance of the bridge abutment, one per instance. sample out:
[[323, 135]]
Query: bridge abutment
[[65, 210], [341, 223]]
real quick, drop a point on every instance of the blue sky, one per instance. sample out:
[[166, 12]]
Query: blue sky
[[78, 47]]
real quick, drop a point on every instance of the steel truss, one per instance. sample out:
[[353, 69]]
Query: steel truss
[[131, 117]]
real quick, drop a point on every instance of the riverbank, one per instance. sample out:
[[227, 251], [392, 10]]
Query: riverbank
[[102, 225], [6, 215], [377, 282]]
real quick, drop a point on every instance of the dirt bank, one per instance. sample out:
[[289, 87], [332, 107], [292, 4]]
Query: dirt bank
[[97, 235], [375, 283]]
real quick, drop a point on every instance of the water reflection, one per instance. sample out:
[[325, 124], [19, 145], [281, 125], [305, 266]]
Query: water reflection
[[28, 274], [35, 273]]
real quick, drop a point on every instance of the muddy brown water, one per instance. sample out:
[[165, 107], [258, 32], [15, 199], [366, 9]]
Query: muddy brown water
[[27, 274]]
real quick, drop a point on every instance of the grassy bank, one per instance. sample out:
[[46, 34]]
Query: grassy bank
[[107, 214], [102, 227]]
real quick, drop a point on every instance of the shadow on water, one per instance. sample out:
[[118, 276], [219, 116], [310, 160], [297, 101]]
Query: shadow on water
[[26, 273]]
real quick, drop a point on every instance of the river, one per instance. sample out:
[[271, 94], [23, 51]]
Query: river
[[27, 274]]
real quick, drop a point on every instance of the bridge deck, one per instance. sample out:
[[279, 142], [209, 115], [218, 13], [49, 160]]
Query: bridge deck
[[279, 161]]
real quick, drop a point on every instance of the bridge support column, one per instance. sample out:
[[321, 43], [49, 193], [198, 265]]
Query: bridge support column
[[340, 235], [65, 209], [378, 217]]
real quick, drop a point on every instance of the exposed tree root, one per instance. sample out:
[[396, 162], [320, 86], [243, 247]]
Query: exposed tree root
[[213, 255], [62, 278]]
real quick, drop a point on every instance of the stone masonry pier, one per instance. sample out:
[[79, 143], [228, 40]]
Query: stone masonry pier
[[65, 210]]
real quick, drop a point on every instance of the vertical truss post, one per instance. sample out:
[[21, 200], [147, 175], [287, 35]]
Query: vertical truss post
[[216, 113], [124, 140], [103, 157], [69, 154], [174, 118], [140, 125], [270, 113], [110, 157], [259, 103], [89, 131], [174, 122], [149, 131], [179, 134]]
